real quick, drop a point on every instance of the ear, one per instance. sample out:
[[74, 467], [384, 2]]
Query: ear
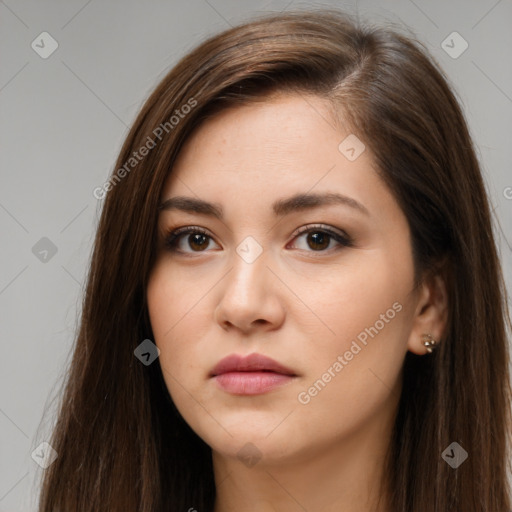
[[431, 313]]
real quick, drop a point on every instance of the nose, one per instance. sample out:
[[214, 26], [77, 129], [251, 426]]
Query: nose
[[251, 298]]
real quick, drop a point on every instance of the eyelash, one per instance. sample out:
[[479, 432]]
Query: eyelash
[[172, 237]]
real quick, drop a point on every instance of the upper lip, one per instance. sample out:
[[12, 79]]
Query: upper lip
[[251, 363]]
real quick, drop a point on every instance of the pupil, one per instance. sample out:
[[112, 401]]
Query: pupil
[[321, 239], [195, 239]]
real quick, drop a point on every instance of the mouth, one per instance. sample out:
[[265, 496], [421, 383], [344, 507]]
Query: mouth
[[251, 375]]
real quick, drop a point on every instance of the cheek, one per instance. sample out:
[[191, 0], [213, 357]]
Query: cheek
[[182, 340], [181, 326], [168, 308], [366, 308], [172, 300], [354, 297]]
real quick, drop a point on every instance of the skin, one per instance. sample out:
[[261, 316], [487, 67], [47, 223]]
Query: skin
[[297, 303]]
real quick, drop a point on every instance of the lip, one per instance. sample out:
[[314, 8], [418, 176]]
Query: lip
[[252, 363], [250, 375]]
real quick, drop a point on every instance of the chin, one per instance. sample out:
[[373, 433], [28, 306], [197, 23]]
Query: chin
[[251, 443], [252, 450]]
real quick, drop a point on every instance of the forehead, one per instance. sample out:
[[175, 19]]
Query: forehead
[[286, 137], [294, 119], [249, 157]]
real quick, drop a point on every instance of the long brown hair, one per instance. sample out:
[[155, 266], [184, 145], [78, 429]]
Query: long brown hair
[[121, 443]]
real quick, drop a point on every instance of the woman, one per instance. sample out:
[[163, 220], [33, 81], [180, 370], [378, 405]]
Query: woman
[[294, 300]]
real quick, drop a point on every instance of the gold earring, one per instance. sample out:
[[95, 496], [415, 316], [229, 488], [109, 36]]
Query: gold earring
[[429, 342]]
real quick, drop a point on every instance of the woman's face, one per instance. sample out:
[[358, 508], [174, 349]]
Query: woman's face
[[334, 304]]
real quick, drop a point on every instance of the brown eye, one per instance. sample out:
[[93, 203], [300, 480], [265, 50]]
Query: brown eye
[[318, 240], [197, 240]]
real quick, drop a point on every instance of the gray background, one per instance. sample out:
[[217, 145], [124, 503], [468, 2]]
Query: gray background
[[64, 119]]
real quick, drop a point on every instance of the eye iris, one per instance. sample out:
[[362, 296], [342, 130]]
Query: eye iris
[[318, 238], [197, 238]]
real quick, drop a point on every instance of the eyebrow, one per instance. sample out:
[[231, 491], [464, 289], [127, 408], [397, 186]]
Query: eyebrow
[[281, 207]]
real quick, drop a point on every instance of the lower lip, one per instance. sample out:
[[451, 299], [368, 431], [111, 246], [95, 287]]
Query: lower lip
[[251, 383]]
